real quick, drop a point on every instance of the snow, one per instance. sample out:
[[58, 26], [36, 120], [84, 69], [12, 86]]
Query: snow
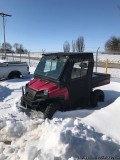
[[111, 57], [71, 135], [1, 60]]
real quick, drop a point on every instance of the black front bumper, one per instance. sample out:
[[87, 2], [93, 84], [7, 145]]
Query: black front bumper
[[32, 103]]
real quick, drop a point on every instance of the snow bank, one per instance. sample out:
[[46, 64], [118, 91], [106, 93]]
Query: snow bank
[[57, 139], [106, 120]]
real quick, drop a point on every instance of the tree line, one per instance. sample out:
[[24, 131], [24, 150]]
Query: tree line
[[16, 47], [77, 45], [112, 45]]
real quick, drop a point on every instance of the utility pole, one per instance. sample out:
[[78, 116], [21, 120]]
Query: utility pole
[[4, 15]]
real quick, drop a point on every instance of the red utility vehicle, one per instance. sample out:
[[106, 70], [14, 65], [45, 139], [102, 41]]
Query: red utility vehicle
[[64, 81]]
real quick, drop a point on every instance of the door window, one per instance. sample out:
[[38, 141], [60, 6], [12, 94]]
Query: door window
[[79, 69]]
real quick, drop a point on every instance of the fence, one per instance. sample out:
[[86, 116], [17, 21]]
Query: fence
[[32, 58], [28, 57]]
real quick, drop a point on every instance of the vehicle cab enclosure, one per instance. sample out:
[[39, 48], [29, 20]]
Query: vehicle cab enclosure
[[63, 81]]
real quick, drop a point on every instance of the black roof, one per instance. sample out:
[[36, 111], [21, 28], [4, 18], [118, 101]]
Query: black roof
[[69, 54]]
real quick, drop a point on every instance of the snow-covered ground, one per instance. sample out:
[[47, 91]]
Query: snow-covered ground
[[112, 58], [80, 134]]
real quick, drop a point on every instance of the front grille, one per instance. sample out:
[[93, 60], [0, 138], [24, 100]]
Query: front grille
[[30, 93]]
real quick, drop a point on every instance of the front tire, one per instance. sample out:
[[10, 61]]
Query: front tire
[[50, 110], [22, 102]]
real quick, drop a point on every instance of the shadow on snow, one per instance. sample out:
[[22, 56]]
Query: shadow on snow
[[110, 97]]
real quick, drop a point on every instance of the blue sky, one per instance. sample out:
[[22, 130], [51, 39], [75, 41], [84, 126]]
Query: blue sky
[[47, 24]]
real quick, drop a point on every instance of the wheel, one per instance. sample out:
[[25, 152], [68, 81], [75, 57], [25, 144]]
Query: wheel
[[13, 75], [50, 110], [97, 96]]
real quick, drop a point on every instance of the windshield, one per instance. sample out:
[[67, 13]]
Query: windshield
[[51, 66]]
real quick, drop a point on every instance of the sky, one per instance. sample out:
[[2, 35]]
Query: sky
[[47, 24]]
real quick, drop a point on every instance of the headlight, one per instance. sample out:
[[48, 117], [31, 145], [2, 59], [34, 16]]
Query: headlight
[[45, 92], [42, 94]]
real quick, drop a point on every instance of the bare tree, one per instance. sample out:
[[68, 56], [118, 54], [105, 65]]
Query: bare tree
[[73, 46], [66, 46], [80, 46]]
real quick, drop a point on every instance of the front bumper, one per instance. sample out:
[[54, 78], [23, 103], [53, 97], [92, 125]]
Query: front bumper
[[32, 103], [31, 99]]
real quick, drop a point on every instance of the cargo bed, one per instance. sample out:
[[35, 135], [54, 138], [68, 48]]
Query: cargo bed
[[100, 79]]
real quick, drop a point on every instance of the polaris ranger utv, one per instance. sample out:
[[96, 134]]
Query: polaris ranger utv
[[64, 81]]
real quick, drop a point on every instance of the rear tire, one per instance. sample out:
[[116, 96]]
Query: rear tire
[[97, 96], [50, 110]]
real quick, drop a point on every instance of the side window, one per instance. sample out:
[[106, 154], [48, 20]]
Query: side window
[[84, 68], [50, 66], [79, 69]]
